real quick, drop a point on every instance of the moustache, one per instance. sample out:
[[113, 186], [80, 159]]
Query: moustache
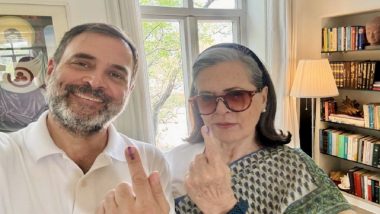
[[87, 89]]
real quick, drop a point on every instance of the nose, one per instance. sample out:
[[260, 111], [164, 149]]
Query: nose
[[221, 106], [95, 79]]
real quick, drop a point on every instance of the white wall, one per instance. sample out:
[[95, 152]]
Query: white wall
[[308, 16], [256, 27]]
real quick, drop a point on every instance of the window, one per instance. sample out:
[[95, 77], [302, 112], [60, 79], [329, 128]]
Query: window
[[174, 33]]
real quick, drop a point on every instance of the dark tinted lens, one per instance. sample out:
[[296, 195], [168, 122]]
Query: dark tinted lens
[[238, 100], [206, 103]]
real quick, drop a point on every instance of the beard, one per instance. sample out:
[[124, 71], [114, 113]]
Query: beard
[[84, 121]]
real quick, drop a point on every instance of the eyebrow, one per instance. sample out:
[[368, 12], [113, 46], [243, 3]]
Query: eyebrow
[[90, 57]]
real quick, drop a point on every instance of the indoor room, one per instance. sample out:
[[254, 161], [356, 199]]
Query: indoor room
[[112, 106]]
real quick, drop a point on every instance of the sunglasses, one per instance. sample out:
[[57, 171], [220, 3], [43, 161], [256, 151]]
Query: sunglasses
[[235, 101]]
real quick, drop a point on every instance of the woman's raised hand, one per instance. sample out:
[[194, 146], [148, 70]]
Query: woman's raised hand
[[208, 182]]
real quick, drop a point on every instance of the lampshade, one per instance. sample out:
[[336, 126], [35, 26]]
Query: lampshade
[[314, 78]]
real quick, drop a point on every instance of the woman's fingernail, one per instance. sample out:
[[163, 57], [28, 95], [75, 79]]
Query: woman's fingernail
[[131, 152]]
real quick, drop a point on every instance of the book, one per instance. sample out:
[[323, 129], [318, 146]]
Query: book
[[376, 154], [358, 184], [361, 38], [346, 119], [350, 174]]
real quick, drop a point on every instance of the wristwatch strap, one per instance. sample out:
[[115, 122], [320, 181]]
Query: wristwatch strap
[[240, 207]]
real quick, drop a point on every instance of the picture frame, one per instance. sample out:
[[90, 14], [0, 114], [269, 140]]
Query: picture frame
[[29, 34]]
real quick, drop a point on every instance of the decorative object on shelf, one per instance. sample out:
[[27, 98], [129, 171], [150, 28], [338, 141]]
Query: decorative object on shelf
[[350, 107], [373, 31], [336, 175], [314, 79], [344, 183]]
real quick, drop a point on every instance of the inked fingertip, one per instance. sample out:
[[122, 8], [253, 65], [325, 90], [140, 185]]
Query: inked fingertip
[[131, 152]]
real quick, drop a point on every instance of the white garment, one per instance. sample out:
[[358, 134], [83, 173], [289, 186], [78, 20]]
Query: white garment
[[38, 177], [179, 159]]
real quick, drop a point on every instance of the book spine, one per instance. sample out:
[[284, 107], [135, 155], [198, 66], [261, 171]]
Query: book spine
[[361, 38], [351, 179], [366, 116], [348, 38]]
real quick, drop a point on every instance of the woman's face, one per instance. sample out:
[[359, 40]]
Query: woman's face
[[228, 126]]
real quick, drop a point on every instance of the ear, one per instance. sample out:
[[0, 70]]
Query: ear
[[264, 95], [50, 67]]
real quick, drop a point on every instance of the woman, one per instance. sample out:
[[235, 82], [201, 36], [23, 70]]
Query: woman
[[236, 162]]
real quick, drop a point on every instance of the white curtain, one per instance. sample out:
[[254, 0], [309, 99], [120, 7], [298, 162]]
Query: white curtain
[[135, 121], [281, 63]]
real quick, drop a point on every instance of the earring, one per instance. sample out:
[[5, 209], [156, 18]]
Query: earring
[[264, 110]]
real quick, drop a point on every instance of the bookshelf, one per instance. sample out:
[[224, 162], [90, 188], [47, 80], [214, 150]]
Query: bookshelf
[[364, 96]]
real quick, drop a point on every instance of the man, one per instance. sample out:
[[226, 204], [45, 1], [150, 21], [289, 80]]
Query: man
[[70, 160], [373, 31]]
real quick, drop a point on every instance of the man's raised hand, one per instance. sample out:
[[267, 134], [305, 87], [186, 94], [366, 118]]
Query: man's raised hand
[[144, 196]]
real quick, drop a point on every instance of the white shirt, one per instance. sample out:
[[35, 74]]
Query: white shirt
[[186, 154], [38, 177]]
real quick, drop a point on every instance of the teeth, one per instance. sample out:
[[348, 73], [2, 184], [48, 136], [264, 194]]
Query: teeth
[[89, 98]]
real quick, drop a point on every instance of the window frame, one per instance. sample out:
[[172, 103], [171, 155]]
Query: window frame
[[188, 18]]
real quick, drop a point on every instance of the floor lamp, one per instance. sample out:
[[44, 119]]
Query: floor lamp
[[314, 79]]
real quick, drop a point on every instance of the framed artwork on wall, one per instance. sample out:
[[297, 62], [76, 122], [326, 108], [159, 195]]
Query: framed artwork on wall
[[27, 41]]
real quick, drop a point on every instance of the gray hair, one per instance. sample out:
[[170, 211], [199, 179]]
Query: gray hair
[[221, 54]]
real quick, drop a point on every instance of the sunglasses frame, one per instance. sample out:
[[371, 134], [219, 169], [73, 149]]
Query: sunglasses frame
[[193, 100]]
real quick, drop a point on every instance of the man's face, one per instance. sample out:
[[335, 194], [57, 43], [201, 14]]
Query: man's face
[[373, 33], [91, 84]]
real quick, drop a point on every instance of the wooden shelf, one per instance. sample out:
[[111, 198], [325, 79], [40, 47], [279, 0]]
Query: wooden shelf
[[349, 125], [356, 162], [357, 89], [352, 51], [361, 203]]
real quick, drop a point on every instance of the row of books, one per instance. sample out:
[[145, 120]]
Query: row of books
[[343, 38], [356, 75], [355, 147], [371, 113], [364, 184]]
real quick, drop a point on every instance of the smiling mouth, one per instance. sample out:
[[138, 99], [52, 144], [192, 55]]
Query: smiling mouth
[[86, 97]]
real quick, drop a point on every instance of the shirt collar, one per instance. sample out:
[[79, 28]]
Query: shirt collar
[[40, 144], [38, 140], [116, 144]]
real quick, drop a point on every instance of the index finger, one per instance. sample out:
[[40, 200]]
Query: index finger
[[140, 182], [212, 147]]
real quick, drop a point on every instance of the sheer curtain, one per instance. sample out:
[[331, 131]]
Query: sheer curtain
[[134, 121], [281, 62]]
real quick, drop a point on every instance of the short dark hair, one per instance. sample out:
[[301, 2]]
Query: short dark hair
[[266, 133], [100, 28]]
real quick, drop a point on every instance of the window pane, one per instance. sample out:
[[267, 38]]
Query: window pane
[[215, 4], [163, 54], [162, 3], [213, 32]]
